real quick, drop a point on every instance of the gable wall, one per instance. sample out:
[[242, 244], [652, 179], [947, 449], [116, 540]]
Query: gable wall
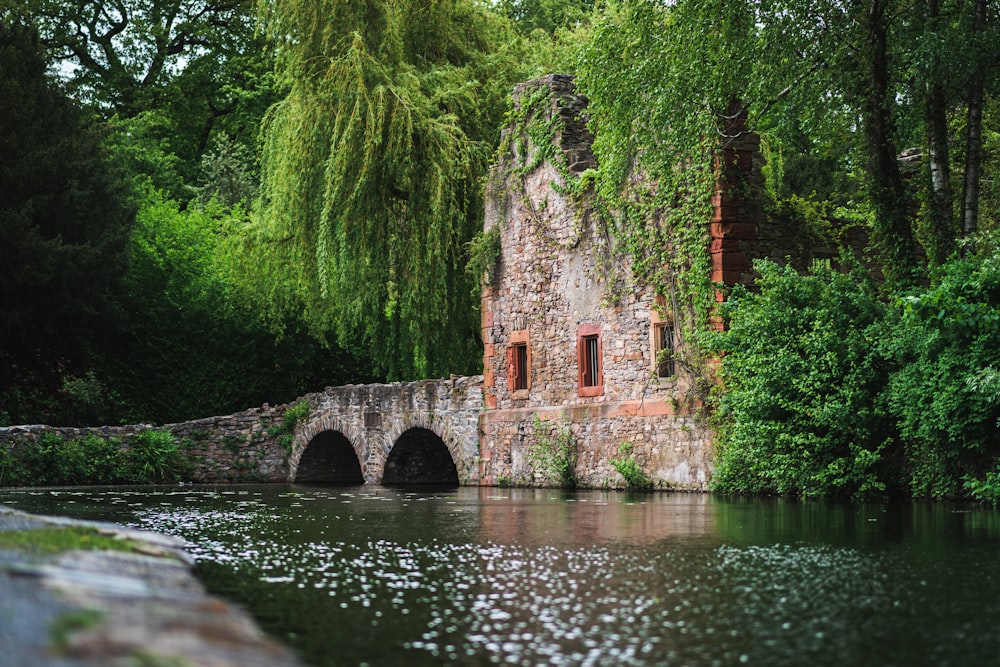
[[551, 280]]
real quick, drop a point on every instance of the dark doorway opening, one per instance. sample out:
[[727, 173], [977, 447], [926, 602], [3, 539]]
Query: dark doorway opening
[[420, 457], [329, 459]]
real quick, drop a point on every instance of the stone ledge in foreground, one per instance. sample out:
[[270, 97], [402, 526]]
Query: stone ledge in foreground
[[150, 605]]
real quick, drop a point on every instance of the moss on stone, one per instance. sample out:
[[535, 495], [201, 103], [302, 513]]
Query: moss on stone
[[57, 539]]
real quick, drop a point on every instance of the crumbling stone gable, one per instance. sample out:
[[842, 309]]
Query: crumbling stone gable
[[554, 287]]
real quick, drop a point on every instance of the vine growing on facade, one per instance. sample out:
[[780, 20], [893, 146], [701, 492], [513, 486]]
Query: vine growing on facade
[[658, 170]]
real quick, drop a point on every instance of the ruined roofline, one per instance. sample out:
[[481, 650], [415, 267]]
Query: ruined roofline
[[573, 136]]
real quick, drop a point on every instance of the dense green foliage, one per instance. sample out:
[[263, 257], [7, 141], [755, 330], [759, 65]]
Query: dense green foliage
[[830, 392], [839, 90], [190, 328], [147, 457], [104, 328], [802, 375], [945, 342], [64, 223], [371, 167]]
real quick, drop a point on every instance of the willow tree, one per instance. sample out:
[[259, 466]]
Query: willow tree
[[371, 168]]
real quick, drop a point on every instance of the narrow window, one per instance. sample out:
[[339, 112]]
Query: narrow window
[[520, 363], [664, 349], [588, 345], [589, 361]]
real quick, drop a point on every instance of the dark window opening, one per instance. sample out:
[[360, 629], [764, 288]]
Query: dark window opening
[[590, 362], [664, 337], [519, 361], [588, 348]]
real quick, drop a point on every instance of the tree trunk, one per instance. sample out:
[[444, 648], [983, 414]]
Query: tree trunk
[[892, 233], [941, 227], [974, 150]]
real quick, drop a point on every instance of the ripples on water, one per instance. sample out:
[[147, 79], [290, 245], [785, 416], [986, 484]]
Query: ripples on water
[[523, 577]]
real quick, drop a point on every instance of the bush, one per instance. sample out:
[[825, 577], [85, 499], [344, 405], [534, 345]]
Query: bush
[[49, 460], [52, 461], [554, 458], [635, 477], [946, 393], [154, 456], [802, 378]]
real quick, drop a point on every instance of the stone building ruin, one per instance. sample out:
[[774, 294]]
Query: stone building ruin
[[560, 356]]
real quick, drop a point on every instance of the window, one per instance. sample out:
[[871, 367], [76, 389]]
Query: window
[[663, 348], [588, 345], [589, 362], [519, 364]]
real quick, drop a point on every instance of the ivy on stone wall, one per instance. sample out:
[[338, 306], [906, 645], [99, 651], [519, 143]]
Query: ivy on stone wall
[[659, 140]]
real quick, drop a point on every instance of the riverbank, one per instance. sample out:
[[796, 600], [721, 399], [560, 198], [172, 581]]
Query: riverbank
[[134, 603]]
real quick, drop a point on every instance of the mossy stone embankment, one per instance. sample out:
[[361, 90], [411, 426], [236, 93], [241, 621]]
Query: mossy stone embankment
[[75, 594]]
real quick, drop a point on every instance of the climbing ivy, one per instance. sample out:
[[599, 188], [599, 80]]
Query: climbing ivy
[[533, 138], [484, 256], [660, 130], [283, 432]]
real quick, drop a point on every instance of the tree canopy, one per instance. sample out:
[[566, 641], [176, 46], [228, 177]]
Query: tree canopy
[[851, 83], [371, 170], [64, 223]]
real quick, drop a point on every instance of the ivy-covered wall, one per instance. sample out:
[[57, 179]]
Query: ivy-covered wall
[[558, 277]]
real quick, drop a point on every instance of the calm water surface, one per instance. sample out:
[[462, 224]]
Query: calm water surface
[[470, 576]]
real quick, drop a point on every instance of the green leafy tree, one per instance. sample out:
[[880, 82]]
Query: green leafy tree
[[193, 345], [546, 16], [64, 223], [194, 70], [124, 52], [945, 394], [865, 78], [802, 375], [371, 171]]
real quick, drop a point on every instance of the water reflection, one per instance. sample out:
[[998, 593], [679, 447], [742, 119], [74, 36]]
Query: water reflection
[[558, 517], [471, 576]]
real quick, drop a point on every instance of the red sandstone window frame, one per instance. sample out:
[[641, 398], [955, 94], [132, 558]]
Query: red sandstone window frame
[[519, 364], [590, 365]]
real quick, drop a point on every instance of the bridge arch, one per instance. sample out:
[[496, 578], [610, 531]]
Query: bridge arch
[[420, 456], [329, 458], [373, 418], [312, 433]]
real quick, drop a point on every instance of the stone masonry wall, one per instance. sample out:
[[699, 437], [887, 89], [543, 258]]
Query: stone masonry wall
[[373, 417], [549, 287], [230, 448]]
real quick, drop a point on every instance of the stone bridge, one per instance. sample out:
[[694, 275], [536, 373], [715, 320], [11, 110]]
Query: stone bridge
[[424, 432]]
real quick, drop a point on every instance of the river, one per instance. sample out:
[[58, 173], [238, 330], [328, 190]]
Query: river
[[486, 576]]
